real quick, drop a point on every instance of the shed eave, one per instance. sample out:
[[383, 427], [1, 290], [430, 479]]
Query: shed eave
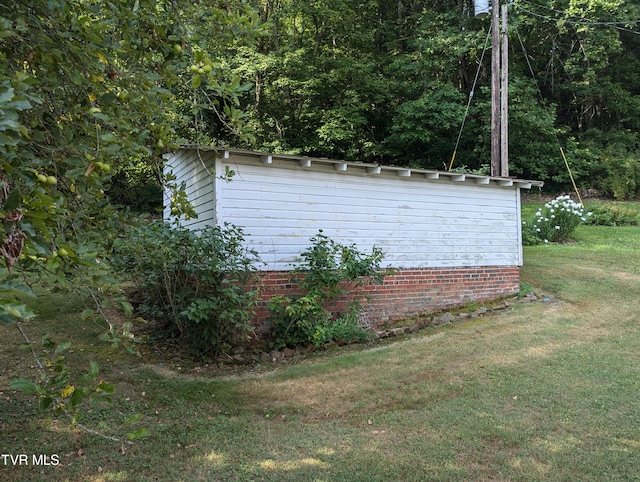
[[369, 168]]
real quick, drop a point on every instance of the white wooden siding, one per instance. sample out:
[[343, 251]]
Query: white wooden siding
[[196, 169], [416, 222]]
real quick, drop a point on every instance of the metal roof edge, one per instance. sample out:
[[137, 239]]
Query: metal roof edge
[[341, 165]]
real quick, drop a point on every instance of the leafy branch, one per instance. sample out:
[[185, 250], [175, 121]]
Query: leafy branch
[[57, 393]]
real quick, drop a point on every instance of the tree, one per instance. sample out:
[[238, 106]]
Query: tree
[[90, 87], [388, 82]]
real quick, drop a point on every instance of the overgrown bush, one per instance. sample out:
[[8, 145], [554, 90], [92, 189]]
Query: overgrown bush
[[613, 157], [613, 214], [554, 222], [197, 283], [327, 273]]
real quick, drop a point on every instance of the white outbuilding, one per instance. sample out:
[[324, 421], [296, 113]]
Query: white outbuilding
[[451, 237]]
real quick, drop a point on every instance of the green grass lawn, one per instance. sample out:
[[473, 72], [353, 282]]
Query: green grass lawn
[[542, 391]]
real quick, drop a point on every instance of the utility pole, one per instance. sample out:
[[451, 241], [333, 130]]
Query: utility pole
[[495, 88], [504, 97], [499, 92]]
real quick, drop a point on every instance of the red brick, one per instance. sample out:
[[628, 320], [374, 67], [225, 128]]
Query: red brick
[[408, 292]]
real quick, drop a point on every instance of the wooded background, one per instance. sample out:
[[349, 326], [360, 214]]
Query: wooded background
[[94, 92], [388, 81]]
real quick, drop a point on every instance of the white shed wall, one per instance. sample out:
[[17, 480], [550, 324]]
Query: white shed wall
[[196, 169], [416, 222]]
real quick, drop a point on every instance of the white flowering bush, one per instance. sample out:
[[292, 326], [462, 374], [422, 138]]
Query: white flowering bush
[[554, 222]]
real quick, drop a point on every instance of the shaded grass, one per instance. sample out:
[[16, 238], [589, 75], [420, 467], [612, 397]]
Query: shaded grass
[[545, 391]]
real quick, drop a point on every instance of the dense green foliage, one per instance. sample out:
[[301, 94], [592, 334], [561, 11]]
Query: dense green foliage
[[328, 272], [197, 284], [389, 81], [89, 89], [613, 214], [92, 93]]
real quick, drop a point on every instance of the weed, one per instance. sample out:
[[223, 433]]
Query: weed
[[613, 214], [328, 271]]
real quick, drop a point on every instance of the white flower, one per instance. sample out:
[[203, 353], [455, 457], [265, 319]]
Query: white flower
[[546, 240], [557, 227]]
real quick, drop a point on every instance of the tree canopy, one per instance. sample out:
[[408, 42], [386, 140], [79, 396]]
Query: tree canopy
[[388, 82], [89, 88], [93, 92]]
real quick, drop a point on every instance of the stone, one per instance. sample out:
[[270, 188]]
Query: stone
[[443, 318], [288, 352], [276, 355], [265, 357]]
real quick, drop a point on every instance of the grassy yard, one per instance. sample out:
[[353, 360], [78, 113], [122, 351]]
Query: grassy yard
[[542, 391]]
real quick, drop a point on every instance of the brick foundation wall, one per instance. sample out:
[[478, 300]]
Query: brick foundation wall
[[407, 292]]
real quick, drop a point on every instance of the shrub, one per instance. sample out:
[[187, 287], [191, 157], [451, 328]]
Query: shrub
[[613, 214], [554, 222], [328, 272], [196, 283]]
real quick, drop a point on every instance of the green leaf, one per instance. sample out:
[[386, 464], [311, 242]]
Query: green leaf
[[131, 349], [13, 201], [127, 308], [94, 369], [100, 116], [11, 287], [105, 387], [7, 319], [47, 341], [141, 432], [132, 419], [77, 397], [7, 95], [25, 385], [86, 314], [45, 402], [15, 310], [62, 347]]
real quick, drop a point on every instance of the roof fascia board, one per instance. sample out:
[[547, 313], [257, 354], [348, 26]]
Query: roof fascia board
[[370, 168]]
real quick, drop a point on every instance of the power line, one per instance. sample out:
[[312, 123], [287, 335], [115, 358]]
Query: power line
[[533, 75], [577, 20], [466, 113]]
